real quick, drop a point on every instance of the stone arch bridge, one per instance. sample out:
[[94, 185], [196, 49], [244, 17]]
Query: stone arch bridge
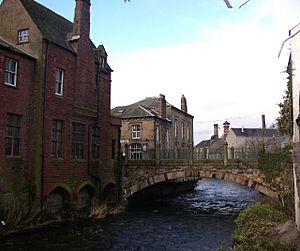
[[140, 174]]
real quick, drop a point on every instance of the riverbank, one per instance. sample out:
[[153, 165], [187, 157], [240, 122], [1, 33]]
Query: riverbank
[[44, 220], [265, 226]]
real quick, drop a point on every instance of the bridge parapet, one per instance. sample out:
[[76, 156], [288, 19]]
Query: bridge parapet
[[192, 154]]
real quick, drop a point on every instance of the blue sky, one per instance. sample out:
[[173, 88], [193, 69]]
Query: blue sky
[[225, 61], [145, 23]]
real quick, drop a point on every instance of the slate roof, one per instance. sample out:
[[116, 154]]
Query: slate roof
[[254, 132], [281, 140], [53, 27], [212, 143], [143, 109], [13, 48], [147, 107]]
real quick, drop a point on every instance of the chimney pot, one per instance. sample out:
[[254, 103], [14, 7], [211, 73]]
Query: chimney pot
[[81, 25], [183, 104], [216, 131], [162, 106], [263, 121], [226, 126]]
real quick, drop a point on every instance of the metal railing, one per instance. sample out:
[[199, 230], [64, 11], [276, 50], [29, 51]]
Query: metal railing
[[224, 153]]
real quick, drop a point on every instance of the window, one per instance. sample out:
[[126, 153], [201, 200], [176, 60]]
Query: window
[[136, 131], [59, 82], [95, 142], [12, 137], [56, 140], [182, 130], [102, 61], [23, 36], [78, 135], [167, 138], [175, 128], [135, 151], [157, 134], [11, 72]]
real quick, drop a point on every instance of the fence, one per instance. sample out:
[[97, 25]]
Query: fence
[[232, 153], [224, 153]]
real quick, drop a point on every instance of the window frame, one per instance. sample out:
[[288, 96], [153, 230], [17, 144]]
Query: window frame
[[13, 135], [135, 151], [182, 130], [57, 139], [168, 137], [22, 39], [78, 133], [175, 127], [9, 72], [59, 83], [136, 131]]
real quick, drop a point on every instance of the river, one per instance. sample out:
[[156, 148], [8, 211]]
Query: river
[[199, 220]]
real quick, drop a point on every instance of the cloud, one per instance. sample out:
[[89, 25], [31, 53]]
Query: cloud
[[232, 71]]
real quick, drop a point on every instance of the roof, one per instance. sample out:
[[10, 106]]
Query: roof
[[143, 109], [13, 48], [53, 27], [281, 140], [212, 143], [254, 132], [147, 107]]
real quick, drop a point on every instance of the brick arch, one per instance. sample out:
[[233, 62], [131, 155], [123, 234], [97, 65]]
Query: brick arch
[[239, 178], [110, 193], [58, 199], [86, 183], [62, 185], [85, 197]]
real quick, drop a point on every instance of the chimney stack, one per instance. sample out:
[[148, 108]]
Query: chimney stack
[[263, 121], [183, 104], [216, 132], [226, 126], [162, 106], [81, 25]]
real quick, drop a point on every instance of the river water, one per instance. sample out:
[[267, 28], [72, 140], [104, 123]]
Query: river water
[[199, 220]]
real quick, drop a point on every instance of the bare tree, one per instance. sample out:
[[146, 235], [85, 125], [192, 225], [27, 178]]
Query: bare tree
[[228, 4]]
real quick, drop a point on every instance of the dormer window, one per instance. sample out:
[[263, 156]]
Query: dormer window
[[102, 61], [23, 36]]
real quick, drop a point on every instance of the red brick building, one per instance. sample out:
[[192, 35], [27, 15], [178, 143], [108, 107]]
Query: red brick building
[[15, 119], [71, 134]]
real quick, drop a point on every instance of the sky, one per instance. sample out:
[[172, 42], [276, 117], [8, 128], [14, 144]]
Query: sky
[[225, 61]]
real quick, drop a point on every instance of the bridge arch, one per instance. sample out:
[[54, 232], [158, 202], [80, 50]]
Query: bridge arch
[[236, 176]]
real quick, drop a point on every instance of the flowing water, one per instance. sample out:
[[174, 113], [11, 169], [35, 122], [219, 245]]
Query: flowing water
[[195, 221]]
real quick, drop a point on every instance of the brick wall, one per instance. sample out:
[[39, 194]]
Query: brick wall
[[15, 172]]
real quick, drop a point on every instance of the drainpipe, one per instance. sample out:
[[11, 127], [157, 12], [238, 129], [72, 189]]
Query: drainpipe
[[44, 125], [89, 130], [89, 159]]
